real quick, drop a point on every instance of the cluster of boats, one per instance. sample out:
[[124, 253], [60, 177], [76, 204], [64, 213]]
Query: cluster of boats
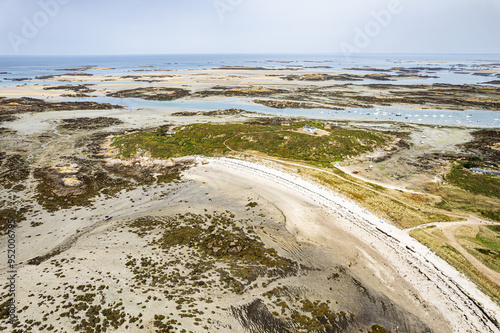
[[451, 118]]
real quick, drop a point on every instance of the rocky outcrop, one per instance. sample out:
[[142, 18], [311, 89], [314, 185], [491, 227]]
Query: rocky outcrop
[[240, 91], [227, 112], [10, 106], [89, 123], [294, 105], [152, 93]]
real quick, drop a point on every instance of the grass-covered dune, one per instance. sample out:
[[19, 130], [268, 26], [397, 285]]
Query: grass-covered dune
[[289, 142]]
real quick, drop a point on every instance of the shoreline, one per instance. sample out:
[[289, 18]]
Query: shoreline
[[445, 286]]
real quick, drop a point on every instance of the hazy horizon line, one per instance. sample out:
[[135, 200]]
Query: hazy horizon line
[[239, 53]]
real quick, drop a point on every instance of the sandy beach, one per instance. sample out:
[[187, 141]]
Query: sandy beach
[[314, 226], [437, 283]]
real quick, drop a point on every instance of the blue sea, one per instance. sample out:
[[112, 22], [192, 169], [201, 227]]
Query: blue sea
[[458, 69]]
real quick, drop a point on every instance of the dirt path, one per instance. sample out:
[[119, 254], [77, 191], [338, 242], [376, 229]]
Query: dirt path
[[449, 232], [470, 220], [336, 165], [449, 228]]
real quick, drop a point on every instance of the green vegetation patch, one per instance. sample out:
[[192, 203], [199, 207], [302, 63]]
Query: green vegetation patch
[[288, 142], [485, 246], [457, 199], [66, 187], [377, 329], [491, 214], [11, 216], [476, 183], [306, 315], [90, 312], [85, 307], [318, 317], [14, 170], [53, 195], [220, 252]]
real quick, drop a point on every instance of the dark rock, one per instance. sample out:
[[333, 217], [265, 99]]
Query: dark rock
[[9, 106], [294, 105], [19, 79], [228, 112], [152, 93], [89, 123]]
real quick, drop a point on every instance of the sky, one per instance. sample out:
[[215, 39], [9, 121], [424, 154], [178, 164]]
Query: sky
[[94, 27]]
